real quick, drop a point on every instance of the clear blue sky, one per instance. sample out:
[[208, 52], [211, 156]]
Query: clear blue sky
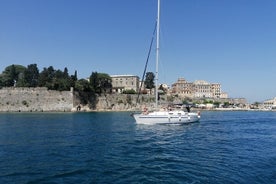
[[232, 42]]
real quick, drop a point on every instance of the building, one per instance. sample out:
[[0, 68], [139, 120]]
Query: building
[[203, 89], [121, 83], [223, 95], [197, 89], [270, 104], [216, 90], [183, 88]]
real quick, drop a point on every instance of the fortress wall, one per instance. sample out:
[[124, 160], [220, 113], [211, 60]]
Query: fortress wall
[[34, 99], [41, 99]]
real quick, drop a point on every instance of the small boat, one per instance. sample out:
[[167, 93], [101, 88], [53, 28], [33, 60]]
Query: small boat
[[164, 116]]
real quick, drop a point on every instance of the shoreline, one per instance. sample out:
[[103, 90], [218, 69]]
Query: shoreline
[[131, 110]]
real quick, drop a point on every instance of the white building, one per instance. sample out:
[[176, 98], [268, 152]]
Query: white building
[[270, 104], [203, 89]]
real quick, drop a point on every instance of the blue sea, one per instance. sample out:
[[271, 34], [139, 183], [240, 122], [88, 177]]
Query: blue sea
[[108, 147]]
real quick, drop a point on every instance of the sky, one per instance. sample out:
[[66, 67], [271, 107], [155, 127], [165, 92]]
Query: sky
[[231, 42]]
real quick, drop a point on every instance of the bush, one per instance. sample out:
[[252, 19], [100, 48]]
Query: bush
[[24, 102], [129, 91]]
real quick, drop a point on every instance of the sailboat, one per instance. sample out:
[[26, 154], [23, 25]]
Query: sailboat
[[164, 116]]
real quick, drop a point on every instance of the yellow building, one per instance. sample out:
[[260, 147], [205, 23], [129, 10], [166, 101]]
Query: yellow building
[[121, 83], [197, 89]]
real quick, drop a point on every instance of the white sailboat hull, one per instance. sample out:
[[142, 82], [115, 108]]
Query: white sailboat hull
[[167, 117]]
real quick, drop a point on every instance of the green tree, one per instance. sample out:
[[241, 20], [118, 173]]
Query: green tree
[[94, 82], [55, 79], [44, 77], [216, 103], [65, 73], [1, 81], [226, 104], [61, 80], [129, 91], [105, 82], [149, 81], [12, 75], [100, 82], [83, 85], [75, 76], [31, 76], [73, 79]]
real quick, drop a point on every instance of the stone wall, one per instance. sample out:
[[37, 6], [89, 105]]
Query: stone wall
[[124, 102], [116, 102], [40, 99], [111, 102], [35, 99]]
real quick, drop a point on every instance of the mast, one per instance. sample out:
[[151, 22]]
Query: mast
[[157, 53]]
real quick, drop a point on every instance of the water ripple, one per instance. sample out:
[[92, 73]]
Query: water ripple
[[225, 147]]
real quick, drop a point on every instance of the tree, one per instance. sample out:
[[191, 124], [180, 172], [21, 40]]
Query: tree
[[12, 75], [216, 103], [73, 79], [75, 76], [83, 85], [31, 76], [149, 81], [65, 73], [46, 77], [1, 81], [105, 82], [100, 82], [61, 80], [226, 104], [94, 82], [56, 79], [129, 91]]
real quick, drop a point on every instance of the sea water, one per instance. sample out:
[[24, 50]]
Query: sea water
[[108, 147]]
